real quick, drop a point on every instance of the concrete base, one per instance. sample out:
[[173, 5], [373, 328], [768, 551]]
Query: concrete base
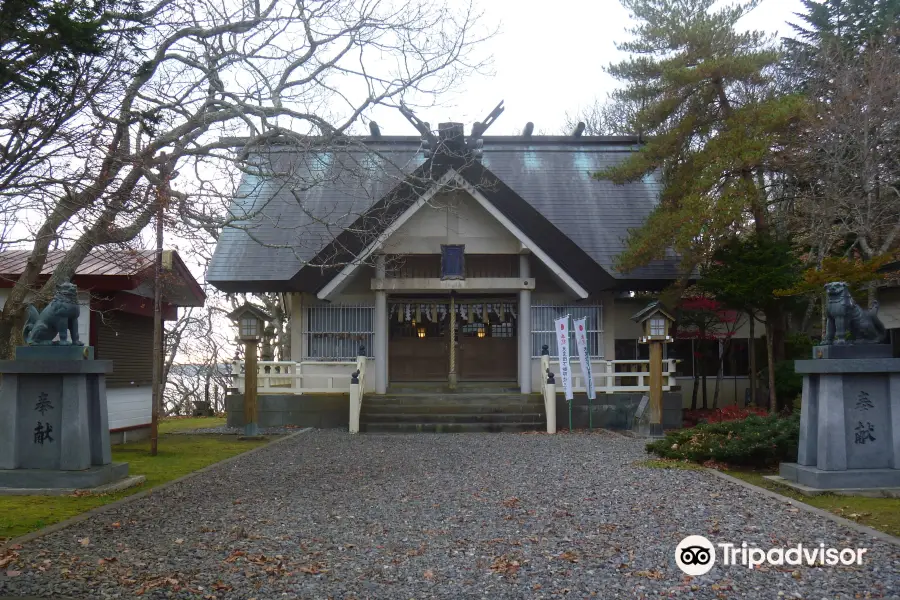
[[129, 435], [648, 431], [108, 488], [809, 491], [322, 411], [54, 352], [614, 411], [844, 351], [51, 478], [816, 478]]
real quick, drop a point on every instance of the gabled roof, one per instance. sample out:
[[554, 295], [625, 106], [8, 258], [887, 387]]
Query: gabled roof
[[108, 269], [538, 181], [651, 309], [249, 308], [513, 213]]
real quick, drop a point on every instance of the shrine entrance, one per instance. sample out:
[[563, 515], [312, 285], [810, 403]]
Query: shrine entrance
[[486, 347]]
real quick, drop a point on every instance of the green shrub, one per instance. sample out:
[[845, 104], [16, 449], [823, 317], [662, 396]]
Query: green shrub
[[755, 441]]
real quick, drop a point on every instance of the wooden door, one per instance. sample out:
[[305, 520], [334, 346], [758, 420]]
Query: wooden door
[[418, 353], [488, 352]]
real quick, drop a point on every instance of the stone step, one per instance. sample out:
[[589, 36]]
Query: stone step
[[521, 417], [450, 409], [432, 427], [419, 399], [477, 387]]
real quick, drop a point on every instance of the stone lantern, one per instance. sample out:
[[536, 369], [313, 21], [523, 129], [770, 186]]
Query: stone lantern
[[251, 322], [655, 322]]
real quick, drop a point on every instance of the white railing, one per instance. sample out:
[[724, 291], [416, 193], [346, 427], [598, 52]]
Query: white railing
[[548, 391], [308, 377], [357, 389], [615, 376]]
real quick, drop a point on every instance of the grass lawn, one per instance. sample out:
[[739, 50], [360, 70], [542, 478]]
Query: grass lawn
[[879, 513], [177, 455], [186, 423]]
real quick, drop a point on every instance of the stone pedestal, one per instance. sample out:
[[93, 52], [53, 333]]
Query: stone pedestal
[[849, 421], [54, 429]]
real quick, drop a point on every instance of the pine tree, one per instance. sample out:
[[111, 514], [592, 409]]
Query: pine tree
[[851, 23], [714, 125], [42, 41]]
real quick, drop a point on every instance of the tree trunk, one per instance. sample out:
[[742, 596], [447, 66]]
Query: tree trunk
[[703, 391], [770, 356], [873, 293], [751, 349], [696, 387], [720, 375], [776, 317], [701, 367], [807, 314]]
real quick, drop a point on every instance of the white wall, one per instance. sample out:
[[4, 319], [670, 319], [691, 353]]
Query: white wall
[[129, 407]]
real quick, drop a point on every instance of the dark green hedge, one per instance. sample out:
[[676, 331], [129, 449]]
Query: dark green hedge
[[754, 441]]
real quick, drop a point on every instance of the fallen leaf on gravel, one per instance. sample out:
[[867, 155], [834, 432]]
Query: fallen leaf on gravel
[[8, 558], [235, 555], [12, 573], [116, 525], [85, 541], [313, 569], [505, 566], [511, 502], [649, 574], [569, 556], [179, 541], [429, 574], [219, 586]]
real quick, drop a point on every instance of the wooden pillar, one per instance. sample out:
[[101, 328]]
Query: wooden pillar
[[251, 423], [452, 380], [656, 385]]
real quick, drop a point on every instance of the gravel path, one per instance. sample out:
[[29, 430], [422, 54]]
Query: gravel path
[[330, 515]]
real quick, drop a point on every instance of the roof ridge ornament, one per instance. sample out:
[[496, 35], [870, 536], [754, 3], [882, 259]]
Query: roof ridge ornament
[[451, 139]]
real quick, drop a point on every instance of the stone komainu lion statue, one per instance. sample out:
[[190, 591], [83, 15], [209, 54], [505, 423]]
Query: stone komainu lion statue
[[58, 317], [845, 316]]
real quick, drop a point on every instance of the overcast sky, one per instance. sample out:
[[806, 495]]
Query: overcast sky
[[548, 59]]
